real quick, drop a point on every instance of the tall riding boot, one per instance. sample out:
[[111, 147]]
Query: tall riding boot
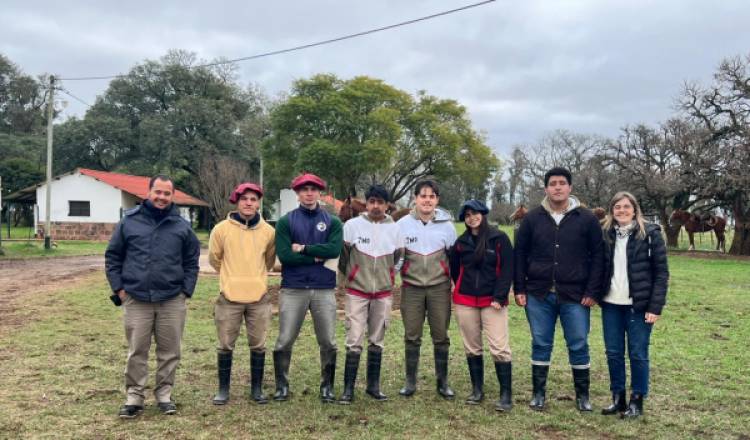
[[411, 355], [441, 373], [476, 373], [374, 360], [327, 373], [224, 364], [539, 382], [504, 377], [281, 360], [635, 407], [619, 404], [581, 384], [350, 376], [257, 363]]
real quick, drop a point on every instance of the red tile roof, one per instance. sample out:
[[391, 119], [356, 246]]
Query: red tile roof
[[138, 186]]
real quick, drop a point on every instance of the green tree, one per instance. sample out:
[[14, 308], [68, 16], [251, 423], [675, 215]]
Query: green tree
[[362, 130], [22, 100], [167, 116]]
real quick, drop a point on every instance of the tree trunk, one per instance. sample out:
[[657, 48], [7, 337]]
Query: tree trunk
[[672, 231], [741, 240]]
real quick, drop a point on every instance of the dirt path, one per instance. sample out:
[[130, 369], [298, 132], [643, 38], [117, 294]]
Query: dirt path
[[19, 278], [22, 277]]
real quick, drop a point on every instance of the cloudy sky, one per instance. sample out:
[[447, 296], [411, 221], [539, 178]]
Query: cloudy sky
[[521, 68]]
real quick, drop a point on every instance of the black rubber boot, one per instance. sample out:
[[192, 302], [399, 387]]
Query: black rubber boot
[[281, 360], [374, 360], [476, 373], [441, 374], [635, 407], [619, 404], [504, 377], [581, 384], [257, 363], [411, 355], [327, 374], [350, 377], [539, 382], [224, 364]]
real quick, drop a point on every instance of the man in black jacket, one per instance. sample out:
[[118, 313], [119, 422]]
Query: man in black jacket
[[152, 268], [558, 269]]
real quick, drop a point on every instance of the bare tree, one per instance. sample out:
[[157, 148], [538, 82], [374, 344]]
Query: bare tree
[[583, 155], [719, 163], [649, 165], [217, 177]]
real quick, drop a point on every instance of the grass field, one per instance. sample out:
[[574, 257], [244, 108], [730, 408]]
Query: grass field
[[61, 376]]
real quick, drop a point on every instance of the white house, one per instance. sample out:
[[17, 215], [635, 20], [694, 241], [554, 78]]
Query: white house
[[87, 204]]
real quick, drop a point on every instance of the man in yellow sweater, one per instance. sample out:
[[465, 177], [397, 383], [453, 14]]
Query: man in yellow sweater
[[242, 251]]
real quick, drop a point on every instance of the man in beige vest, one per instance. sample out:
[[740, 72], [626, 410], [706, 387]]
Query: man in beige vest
[[242, 251]]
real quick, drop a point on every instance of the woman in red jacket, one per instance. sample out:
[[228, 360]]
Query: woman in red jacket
[[482, 269]]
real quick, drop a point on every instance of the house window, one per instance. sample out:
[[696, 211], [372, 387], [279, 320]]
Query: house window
[[79, 209]]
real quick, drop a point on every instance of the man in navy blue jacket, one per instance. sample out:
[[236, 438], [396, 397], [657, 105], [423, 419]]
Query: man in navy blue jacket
[[152, 267], [308, 244]]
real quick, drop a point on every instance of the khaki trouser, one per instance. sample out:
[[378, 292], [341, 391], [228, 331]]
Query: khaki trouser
[[435, 303], [365, 313], [473, 321], [165, 321], [228, 317]]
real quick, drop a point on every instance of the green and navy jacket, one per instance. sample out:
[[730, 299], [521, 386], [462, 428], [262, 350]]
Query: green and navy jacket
[[371, 252], [321, 234]]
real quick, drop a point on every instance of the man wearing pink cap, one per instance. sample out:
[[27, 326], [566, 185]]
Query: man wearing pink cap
[[242, 251], [308, 243]]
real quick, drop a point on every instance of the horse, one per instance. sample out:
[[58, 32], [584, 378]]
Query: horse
[[518, 215], [599, 213], [696, 223]]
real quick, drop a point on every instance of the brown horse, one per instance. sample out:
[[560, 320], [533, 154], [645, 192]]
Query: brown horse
[[600, 213], [352, 207], [518, 215], [696, 223]]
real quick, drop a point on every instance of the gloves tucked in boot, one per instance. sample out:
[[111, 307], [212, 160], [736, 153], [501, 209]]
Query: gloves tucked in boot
[[224, 364]]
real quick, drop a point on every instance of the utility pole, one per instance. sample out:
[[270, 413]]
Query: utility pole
[[261, 182], [1, 216], [50, 115]]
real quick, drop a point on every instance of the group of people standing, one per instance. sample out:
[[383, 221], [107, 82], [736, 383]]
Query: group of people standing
[[564, 262]]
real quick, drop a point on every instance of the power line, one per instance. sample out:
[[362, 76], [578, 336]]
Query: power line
[[307, 46], [74, 97]]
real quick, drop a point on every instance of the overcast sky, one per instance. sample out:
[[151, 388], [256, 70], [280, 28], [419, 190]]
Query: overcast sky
[[521, 68]]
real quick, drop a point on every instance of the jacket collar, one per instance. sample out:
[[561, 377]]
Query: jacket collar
[[235, 218]]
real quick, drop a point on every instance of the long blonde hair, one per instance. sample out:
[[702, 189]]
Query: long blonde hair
[[609, 221]]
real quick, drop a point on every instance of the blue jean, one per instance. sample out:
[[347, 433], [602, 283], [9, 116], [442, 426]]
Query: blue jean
[[542, 316], [617, 321]]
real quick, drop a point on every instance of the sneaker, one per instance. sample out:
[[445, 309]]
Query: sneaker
[[167, 408], [130, 411]]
